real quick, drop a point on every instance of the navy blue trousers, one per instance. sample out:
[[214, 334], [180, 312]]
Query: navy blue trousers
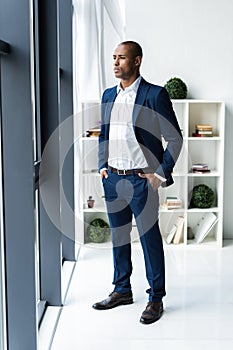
[[128, 195]]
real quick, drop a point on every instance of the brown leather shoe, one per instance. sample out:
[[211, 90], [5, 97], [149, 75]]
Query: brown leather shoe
[[114, 299], [152, 313]]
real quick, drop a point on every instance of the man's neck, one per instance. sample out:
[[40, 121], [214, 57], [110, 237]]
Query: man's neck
[[127, 82]]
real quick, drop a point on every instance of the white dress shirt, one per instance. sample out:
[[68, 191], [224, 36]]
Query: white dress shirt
[[124, 151]]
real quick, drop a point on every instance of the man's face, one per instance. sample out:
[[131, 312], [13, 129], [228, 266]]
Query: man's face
[[124, 64]]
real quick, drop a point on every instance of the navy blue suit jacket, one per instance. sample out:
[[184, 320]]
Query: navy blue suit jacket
[[153, 117]]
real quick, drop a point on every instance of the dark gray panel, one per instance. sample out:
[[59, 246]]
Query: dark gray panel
[[18, 176], [66, 113], [50, 235]]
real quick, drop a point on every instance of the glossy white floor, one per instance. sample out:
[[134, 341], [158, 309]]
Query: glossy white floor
[[198, 306]]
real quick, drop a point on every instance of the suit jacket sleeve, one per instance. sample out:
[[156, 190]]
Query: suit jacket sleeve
[[103, 137], [170, 131]]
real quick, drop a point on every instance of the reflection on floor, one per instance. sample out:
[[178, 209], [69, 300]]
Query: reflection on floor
[[198, 306]]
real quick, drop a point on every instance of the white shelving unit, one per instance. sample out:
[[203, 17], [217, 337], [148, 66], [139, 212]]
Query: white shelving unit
[[208, 150], [87, 179]]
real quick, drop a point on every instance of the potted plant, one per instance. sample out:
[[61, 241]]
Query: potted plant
[[98, 231], [176, 88], [202, 197]]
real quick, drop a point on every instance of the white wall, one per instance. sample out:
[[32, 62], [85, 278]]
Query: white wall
[[191, 39]]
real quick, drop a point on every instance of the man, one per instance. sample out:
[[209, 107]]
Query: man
[[133, 164]]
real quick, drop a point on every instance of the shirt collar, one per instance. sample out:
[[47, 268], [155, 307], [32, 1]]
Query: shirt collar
[[133, 87]]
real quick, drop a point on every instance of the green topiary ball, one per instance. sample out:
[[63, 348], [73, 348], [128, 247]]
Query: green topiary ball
[[202, 197], [176, 88], [98, 231]]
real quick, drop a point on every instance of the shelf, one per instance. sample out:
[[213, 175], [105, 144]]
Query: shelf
[[178, 210], [204, 210], [213, 138], [172, 245], [90, 138], [104, 245], [91, 173], [210, 174], [195, 101], [208, 242], [95, 210], [177, 174]]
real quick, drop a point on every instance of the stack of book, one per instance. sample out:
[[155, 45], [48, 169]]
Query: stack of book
[[173, 203], [93, 132], [203, 130], [176, 235], [200, 168]]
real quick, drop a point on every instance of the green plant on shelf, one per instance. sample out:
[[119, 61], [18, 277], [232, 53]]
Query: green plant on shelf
[[98, 231], [202, 197], [176, 88]]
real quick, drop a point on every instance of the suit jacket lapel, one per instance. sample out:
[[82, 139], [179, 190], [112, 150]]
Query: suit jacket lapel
[[109, 104], [139, 101], [140, 98]]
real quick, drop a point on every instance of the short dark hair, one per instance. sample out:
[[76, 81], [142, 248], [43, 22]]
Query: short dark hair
[[134, 46]]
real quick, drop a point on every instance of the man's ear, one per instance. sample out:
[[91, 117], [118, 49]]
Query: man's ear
[[138, 60]]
